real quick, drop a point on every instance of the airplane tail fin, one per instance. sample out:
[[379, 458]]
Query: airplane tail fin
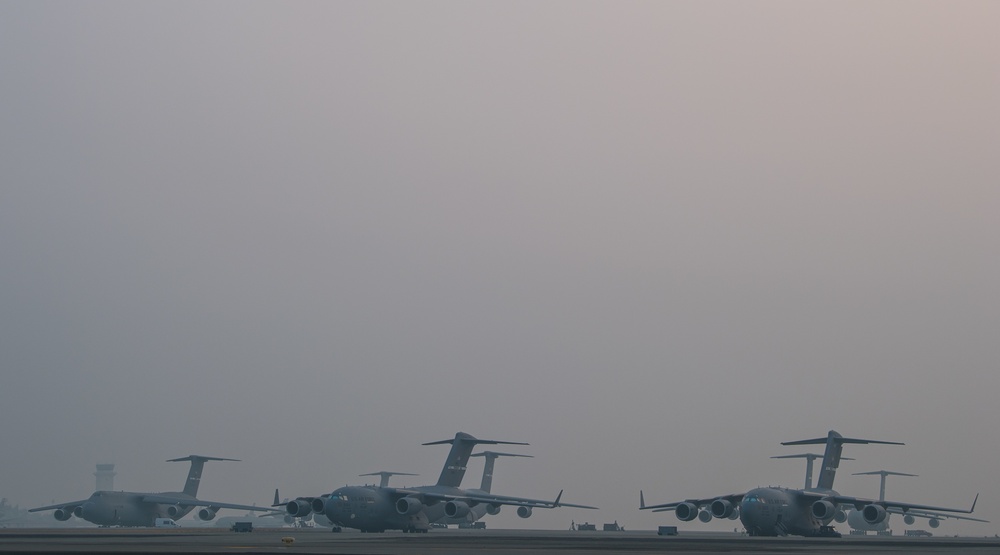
[[458, 457], [276, 500], [194, 474], [491, 459], [831, 457]]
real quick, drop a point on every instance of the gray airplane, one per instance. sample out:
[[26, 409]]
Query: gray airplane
[[124, 508], [376, 509], [856, 520], [477, 512], [777, 511]]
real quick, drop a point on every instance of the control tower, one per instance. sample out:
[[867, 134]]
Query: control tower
[[105, 477]]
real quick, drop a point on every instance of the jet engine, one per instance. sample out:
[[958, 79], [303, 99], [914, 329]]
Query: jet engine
[[298, 508], [409, 506], [79, 511], [63, 514], [524, 511], [874, 514], [207, 513], [824, 510], [289, 519], [722, 508], [934, 523], [909, 519], [456, 509], [705, 516], [174, 511], [840, 516], [318, 504], [493, 509], [686, 512]]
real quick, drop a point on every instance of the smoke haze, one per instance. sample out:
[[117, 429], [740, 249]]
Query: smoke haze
[[652, 239]]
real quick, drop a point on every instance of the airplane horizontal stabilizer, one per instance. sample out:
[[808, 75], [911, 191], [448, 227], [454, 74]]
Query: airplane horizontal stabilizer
[[200, 458]]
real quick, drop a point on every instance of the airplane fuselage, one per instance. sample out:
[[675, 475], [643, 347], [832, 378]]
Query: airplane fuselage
[[776, 511], [374, 509], [125, 508], [371, 509]]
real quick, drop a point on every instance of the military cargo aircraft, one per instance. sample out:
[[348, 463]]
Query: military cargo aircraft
[[777, 511], [376, 509], [125, 508]]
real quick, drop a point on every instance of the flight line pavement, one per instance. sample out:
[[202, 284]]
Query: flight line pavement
[[455, 542]]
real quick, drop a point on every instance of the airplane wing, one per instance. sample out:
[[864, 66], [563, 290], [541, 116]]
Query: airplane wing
[[482, 497], [189, 502], [938, 516], [902, 508], [733, 498], [522, 501], [59, 506]]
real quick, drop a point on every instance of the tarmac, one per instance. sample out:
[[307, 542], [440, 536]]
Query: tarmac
[[454, 542]]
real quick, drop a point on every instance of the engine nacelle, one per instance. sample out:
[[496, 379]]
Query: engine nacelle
[[874, 514], [78, 511], [207, 513], [456, 509], [174, 511], [64, 513], [705, 516], [409, 506], [840, 516], [824, 510], [934, 523], [318, 505], [524, 511], [908, 519], [299, 508], [686, 512], [722, 508], [493, 509], [289, 519]]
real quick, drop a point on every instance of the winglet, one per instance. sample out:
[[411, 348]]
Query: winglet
[[558, 497], [276, 500], [974, 504], [642, 501]]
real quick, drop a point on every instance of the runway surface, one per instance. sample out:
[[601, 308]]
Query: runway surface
[[453, 542]]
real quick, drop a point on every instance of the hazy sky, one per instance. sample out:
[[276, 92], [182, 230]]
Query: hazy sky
[[653, 239]]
